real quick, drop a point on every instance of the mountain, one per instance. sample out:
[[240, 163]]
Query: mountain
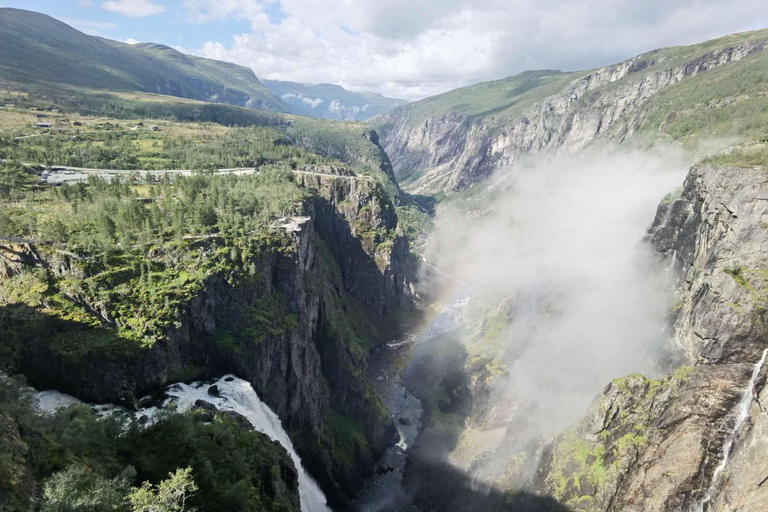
[[449, 142], [329, 101], [37, 48]]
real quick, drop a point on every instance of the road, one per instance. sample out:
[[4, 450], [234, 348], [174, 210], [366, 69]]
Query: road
[[58, 174]]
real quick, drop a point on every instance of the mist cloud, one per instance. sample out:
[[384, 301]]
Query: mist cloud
[[560, 251]]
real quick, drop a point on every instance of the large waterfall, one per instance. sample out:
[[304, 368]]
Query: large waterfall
[[230, 394]]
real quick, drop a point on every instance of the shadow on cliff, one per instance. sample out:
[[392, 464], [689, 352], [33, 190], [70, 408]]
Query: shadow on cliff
[[426, 203], [441, 487], [372, 266], [437, 374]]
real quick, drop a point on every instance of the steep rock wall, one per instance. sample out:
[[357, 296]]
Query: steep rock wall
[[454, 151]]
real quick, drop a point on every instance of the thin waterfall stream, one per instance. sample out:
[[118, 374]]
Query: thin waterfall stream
[[742, 413]]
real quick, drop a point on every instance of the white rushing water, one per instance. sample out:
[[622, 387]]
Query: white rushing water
[[48, 402], [233, 395], [742, 413]]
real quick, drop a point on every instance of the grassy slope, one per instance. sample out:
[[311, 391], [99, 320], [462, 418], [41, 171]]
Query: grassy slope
[[490, 98], [725, 102], [37, 48]]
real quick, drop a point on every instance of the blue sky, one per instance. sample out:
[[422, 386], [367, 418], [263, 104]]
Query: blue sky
[[408, 48], [171, 27]]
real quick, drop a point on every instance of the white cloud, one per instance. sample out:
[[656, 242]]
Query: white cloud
[[413, 49], [204, 11], [132, 41], [133, 8], [85, 3], [312, 102]]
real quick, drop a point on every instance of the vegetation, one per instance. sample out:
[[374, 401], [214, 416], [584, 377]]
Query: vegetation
[[723, 102], [193, 135], [588, 458], [129, 146], [170, 495], [347, 437], [499, 98], [84, 463], [137, 255]]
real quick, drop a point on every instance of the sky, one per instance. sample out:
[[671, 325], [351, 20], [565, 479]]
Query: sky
[[408, 48]]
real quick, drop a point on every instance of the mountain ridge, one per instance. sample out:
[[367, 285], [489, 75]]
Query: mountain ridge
[[38, 48], [447, 143], [331, 101]]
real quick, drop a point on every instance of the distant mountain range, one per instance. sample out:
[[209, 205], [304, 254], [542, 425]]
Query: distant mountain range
[[331, 101], [37, 48]]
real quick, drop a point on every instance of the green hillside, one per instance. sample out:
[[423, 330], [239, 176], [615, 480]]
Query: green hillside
[[37, 48], [488, 98]]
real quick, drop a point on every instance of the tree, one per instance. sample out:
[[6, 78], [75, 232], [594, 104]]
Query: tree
[[79, 489], [15, 180], [170, 495], [206, 216], [106, 227]]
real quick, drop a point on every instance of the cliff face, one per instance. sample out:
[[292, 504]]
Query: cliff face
[[451, 151], [680, 442], [330, 281], [357, 220]]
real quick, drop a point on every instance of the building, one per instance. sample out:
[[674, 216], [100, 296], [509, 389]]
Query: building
[[43, 125]]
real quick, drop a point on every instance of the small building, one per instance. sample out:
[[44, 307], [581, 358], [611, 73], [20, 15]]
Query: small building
[[9, 105], [154, 128], [77, 123], [43, 125], [41, 116]]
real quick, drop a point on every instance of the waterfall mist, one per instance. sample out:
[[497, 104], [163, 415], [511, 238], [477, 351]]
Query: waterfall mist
[[557, 248]]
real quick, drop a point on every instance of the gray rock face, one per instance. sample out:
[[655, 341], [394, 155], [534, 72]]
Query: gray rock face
[[455, 151], [358, 222], [656, 445]]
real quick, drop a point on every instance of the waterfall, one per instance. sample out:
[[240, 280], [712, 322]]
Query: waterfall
[[238, 395], [742, 413], [48, 402], [233, 395]]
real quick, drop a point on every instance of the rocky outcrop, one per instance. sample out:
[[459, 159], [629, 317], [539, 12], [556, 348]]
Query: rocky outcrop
[[18, 485], [308, 367], [693, 439], [357, 220], [453, 151]]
